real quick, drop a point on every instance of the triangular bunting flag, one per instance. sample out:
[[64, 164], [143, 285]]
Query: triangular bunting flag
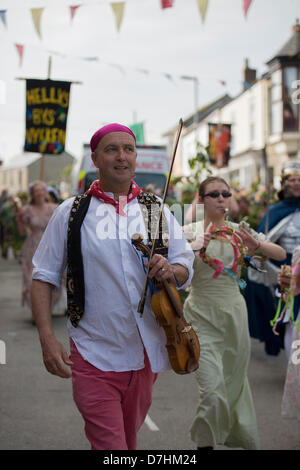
[[73, 11], [246, 85], [118, 9], [3, 16], [202, 4], [166, 3], [246, 5], [36, 17], [20, 50]]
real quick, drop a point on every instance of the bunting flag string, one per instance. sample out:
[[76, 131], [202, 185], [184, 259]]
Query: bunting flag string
[[73, 10], [246, 5], [118, 9], [202, 4], [36, 18], [20, 49], [3, 17], [123, 69]]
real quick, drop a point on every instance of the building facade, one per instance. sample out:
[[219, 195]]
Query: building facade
[[23, 169], [264, 120]]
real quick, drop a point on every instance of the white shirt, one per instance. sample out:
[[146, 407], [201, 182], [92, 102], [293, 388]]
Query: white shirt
[[110, 331]]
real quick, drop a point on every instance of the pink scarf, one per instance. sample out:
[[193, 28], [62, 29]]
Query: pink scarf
[[97, 192]]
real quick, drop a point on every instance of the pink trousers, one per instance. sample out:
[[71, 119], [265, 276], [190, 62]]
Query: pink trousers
[[113, 405]]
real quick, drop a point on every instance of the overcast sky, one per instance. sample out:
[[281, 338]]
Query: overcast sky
[[173, 41]]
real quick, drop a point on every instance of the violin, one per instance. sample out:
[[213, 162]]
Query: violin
[[182, 342]]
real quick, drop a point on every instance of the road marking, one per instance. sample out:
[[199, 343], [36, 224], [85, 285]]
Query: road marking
[[151, 425]]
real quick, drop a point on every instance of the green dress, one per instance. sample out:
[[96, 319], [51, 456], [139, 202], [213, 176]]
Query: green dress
[[217, 311]]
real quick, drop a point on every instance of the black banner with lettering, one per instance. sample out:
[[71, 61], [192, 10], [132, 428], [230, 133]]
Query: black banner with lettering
[[47, 104]]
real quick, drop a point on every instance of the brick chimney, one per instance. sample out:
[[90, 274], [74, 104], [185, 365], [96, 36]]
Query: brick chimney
[[249, 75]]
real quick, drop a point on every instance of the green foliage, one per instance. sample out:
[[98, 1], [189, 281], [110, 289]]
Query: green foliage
[[257, 199]]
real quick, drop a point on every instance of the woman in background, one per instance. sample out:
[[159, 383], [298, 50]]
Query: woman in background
[[32, 221], [217, 311]]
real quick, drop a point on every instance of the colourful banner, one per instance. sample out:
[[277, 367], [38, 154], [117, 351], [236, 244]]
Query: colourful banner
[[219, 144], [138, 130], [47, 104]]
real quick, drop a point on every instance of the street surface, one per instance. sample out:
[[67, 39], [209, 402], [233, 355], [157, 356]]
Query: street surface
[[37, 411]]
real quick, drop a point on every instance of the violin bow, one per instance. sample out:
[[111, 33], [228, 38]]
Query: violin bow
[[144, 292]]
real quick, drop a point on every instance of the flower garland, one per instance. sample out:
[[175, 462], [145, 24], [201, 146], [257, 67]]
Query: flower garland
[[239, 253]]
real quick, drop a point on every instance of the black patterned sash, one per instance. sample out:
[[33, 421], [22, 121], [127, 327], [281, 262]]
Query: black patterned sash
[[149, 205]]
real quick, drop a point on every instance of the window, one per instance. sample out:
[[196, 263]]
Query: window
[[290, 109], [276, 103], [252, 120]]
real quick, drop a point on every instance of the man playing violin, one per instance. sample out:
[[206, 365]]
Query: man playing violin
[[115, 353]]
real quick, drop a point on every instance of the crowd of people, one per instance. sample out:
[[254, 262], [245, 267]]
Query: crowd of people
[[84, 245]]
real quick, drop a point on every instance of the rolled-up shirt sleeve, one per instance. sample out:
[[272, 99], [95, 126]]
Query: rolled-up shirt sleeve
[[180, 251], [50, 259]]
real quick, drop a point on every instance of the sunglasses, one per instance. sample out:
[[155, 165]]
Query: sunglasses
[[216, 194]]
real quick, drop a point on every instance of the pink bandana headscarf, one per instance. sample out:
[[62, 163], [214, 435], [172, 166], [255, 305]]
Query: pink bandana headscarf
[[95, 189], [100, 133]]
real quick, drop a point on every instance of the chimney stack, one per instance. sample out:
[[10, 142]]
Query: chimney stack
[[249, 76]]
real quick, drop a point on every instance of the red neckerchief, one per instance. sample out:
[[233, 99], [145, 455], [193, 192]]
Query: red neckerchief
[[97, 192]]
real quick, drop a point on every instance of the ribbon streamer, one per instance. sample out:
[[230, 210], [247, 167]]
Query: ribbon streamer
[[287, 296]]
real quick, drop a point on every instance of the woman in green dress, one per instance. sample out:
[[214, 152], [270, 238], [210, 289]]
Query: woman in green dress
[[217, 311]]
